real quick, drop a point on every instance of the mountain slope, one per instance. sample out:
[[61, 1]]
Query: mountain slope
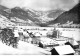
[[20, 13], [72, 15], [17, 14], [2, 7], [37, 18], [34, 16]]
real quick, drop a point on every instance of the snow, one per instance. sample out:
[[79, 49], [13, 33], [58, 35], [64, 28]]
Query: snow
[[23, 48], [66, 32], [66, 49], [31, 49], [8, 50], [71, 33]]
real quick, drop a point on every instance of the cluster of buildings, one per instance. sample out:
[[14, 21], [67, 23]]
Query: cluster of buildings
[[37, 37]]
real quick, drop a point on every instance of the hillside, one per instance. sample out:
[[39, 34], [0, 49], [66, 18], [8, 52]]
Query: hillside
[[17, 15], [31, 17], [72, 15]]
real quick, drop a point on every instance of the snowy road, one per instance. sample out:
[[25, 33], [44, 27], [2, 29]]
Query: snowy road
[[23, 49]]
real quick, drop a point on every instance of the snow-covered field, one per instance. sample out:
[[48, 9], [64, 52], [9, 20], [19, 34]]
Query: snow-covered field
[[66, 32], [71, 33], [23, 49]]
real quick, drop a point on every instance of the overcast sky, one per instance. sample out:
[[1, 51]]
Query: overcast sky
[[40, 5]]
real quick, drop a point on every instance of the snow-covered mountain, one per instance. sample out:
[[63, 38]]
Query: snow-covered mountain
[[71, 15], [30, 17], [4, 22], [17, 16]]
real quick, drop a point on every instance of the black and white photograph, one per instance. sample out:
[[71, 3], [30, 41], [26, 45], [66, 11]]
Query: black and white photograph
[[39, 27]]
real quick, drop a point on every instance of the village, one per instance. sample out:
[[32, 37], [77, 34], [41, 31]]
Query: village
[[44, 27], [43, 37]]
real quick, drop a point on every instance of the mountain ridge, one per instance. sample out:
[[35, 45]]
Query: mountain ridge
[[58, 16]]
